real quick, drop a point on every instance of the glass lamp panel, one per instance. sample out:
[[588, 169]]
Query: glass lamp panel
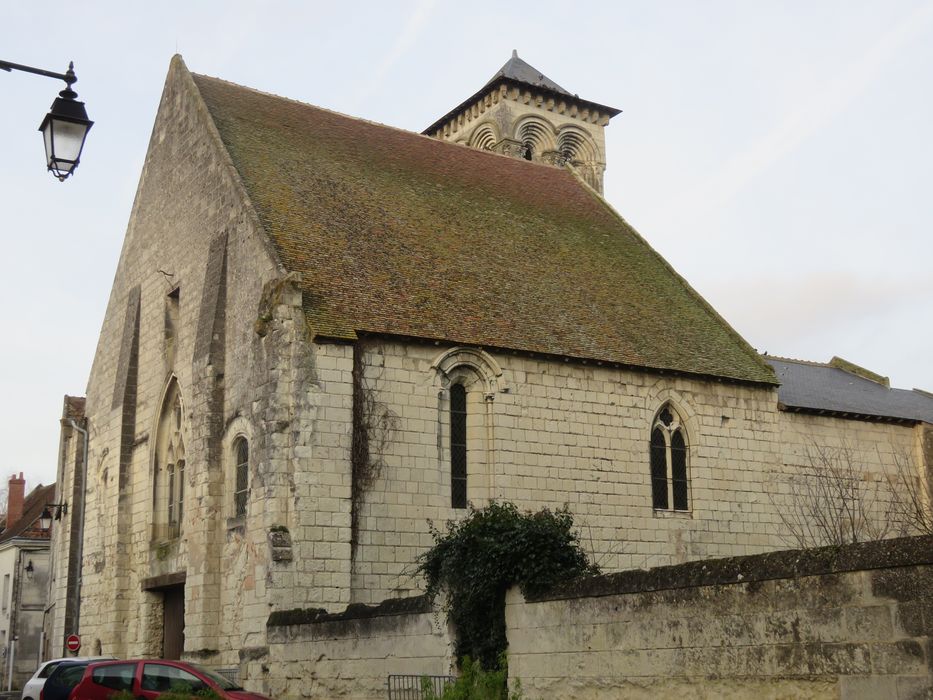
[[67, 139], [47, 138]]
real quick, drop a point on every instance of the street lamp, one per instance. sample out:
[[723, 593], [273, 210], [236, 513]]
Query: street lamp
[[65, 127], [45, 519]]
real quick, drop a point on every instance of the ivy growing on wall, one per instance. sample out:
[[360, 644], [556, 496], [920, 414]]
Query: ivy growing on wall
[[477, 559], [373, 426]]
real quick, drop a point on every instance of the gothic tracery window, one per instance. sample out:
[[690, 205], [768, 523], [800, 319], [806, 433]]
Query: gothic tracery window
[[669, 483], [169, 468]]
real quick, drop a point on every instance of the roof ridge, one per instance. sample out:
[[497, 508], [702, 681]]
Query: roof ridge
[[812, 363], [382, 125]]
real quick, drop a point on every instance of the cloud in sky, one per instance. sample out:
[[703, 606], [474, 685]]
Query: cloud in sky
[[815, 112], [823, 313], [405, 40]]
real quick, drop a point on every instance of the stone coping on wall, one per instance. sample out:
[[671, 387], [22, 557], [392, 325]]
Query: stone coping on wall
[[785, 564], [355, 611]]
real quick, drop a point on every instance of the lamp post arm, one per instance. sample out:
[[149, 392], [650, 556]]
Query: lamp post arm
[[68, 77]]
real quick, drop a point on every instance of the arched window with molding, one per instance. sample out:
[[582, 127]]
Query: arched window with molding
[[468, 380], [458, 446], [670, 487], [241, 476]]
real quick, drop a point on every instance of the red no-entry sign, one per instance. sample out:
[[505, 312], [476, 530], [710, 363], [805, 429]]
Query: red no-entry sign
[[73, 642]]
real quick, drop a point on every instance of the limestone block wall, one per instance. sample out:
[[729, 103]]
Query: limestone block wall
[[543, 432], [876, 446], [851, 623], [350, 654], [877, 454]]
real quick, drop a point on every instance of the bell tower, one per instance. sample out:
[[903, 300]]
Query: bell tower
[[521, 113]]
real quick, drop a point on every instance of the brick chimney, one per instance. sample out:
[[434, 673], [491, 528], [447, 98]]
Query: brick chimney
[[17, 494]]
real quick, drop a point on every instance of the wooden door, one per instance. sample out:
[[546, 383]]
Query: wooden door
[[173, 622]]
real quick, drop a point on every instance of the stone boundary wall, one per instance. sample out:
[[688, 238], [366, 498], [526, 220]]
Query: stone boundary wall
[[853, 622], [316, 654], [850, 622]]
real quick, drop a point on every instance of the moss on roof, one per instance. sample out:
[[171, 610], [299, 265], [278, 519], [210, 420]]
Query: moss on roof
[[398, 233]]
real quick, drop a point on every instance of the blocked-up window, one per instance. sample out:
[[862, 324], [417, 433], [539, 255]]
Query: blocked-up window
[[670, 485]]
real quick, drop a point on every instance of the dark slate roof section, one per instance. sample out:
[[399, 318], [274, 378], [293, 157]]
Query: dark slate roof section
[[28, 525], [516, 69], [821, 388], [517, 72], [399, 234]]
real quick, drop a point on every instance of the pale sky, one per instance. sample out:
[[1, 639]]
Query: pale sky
[[778, 154]]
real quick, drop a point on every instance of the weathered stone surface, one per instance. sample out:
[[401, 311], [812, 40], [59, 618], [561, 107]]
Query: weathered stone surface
[[816, 625]]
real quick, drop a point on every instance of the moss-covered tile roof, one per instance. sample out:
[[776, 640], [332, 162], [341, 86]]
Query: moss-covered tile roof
[[398, 233]]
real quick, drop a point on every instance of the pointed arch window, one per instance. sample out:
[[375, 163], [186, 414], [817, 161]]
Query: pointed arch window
[[670, 486], [458, 446], [168, 492]]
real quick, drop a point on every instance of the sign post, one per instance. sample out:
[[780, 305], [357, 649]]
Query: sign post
[[73, 643]]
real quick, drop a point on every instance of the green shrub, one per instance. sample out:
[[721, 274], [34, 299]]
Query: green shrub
[[480, 557], [475, 684]]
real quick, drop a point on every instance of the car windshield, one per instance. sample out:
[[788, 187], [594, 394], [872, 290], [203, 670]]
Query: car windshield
[[224, 682]]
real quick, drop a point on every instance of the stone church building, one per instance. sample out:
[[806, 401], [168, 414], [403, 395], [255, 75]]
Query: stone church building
[[325, 332]]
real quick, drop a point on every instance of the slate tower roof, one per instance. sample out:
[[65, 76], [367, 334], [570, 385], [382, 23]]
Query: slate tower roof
[[521, 72], [397, 233]]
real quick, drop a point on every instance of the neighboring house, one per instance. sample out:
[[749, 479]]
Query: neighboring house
[[24, 557], [324, 333]]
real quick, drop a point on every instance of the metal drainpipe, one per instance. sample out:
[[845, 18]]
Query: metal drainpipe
[[80, 557]]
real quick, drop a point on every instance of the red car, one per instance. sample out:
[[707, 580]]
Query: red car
[[149, 678]]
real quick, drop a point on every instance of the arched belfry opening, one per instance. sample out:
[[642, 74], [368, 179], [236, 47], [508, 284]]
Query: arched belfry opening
[[536, 119]]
